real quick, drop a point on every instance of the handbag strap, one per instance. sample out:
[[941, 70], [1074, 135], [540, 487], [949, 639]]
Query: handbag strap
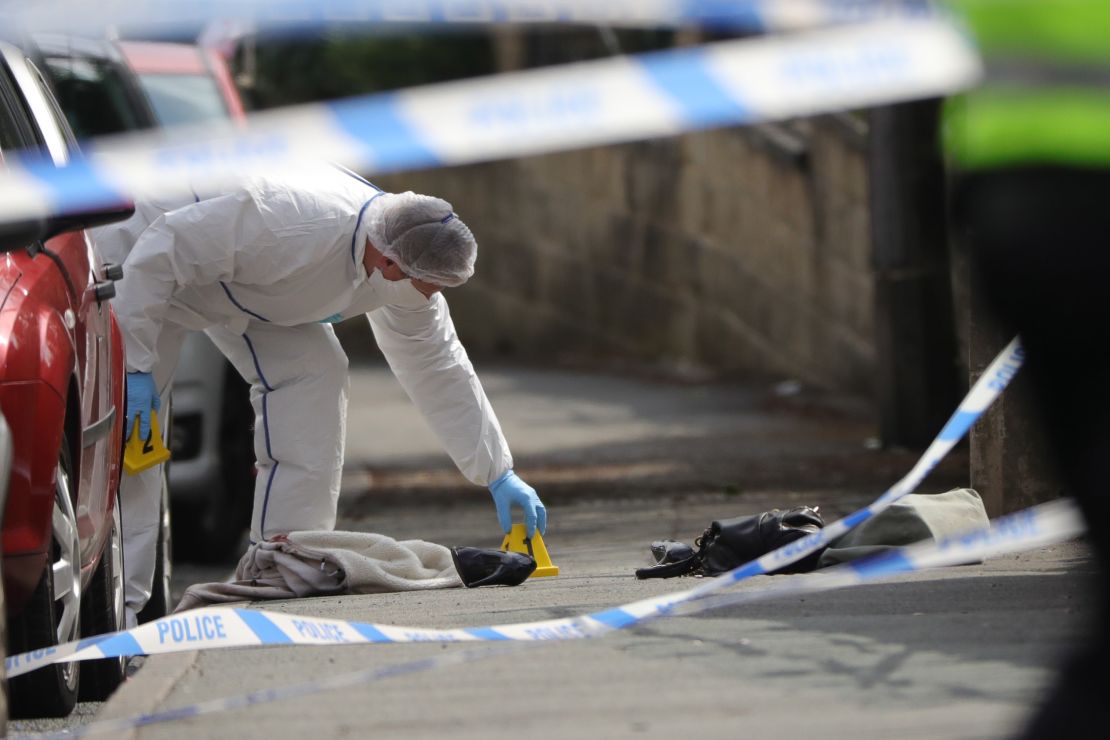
[[671, 570]]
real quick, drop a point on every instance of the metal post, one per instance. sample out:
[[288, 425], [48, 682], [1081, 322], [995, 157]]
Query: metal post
[[918, 382]]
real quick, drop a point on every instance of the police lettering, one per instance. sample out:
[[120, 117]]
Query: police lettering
[[791, 549], [558, 632], [1004, 375], [535, 111], [329, 632], [191, 629], [260, 147], [431, 637]]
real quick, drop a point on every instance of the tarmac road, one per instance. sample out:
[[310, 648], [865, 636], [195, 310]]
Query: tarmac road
[[959, 652]]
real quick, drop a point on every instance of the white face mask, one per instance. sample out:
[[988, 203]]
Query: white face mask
[[395, 290]]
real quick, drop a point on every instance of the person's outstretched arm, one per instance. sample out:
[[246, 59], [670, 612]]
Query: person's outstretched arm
[[426, 356]]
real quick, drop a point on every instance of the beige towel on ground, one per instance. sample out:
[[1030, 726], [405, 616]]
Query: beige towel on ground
[[326, 563], [918, 516]]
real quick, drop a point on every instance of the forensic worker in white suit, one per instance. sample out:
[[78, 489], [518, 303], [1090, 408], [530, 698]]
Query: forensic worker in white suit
[[264, 268]]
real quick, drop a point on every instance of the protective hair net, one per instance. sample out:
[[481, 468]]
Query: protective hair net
[[426, 239]]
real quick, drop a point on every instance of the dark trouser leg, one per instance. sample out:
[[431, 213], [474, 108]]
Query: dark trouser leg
[[1041, 241]]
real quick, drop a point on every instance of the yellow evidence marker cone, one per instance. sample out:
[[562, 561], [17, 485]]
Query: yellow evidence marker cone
[[140, 454], [515, 541]]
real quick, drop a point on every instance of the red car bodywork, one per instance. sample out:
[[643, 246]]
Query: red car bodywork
[[48, 360], [158, 58], [61, 373]]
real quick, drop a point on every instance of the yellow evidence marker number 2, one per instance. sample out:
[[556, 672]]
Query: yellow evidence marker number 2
[[140, 454], [515, 541]]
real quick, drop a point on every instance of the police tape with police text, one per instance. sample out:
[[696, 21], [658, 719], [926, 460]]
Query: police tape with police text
[[1039, 526], [537, 111], [307, 16], [222, 627]]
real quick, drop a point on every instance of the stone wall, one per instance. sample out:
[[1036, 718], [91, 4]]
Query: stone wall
[[738, 251]]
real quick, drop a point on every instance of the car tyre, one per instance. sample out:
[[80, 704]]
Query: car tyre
[[52, 616], [161, 598], [102, 611]]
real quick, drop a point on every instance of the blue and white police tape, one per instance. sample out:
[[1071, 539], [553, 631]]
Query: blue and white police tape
[[1036, 527], [989, 386], [306, 15], [223, 627], [523, 113]]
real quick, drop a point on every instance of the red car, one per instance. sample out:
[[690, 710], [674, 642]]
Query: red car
[[184, 83], [61, 391]]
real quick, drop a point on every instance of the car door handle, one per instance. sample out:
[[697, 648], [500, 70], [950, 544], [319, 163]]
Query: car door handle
[[104, 291], [96, 431]]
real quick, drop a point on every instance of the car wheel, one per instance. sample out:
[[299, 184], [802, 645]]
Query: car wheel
[[161, 597], [53, 614], [102, 611]]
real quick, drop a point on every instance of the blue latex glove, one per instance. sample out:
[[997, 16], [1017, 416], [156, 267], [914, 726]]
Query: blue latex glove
[[142, 396], [509, 490]]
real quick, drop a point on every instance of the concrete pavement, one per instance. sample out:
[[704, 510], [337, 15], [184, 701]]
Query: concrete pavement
[[961, 652]]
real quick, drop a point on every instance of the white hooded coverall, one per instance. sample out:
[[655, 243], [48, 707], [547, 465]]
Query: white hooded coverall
[[258, 268]]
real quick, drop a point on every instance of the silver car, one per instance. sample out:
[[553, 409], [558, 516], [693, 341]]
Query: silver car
[[113, 86]]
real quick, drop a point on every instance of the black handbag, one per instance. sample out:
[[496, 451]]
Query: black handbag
[[728, 543], [478, 567]]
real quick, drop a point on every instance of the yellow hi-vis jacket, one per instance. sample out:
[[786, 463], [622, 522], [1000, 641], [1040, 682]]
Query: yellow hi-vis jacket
[[1046, 96]]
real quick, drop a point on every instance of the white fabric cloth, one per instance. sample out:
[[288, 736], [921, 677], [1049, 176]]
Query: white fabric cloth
[[326, 563], [917, 517], [258, 267]]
